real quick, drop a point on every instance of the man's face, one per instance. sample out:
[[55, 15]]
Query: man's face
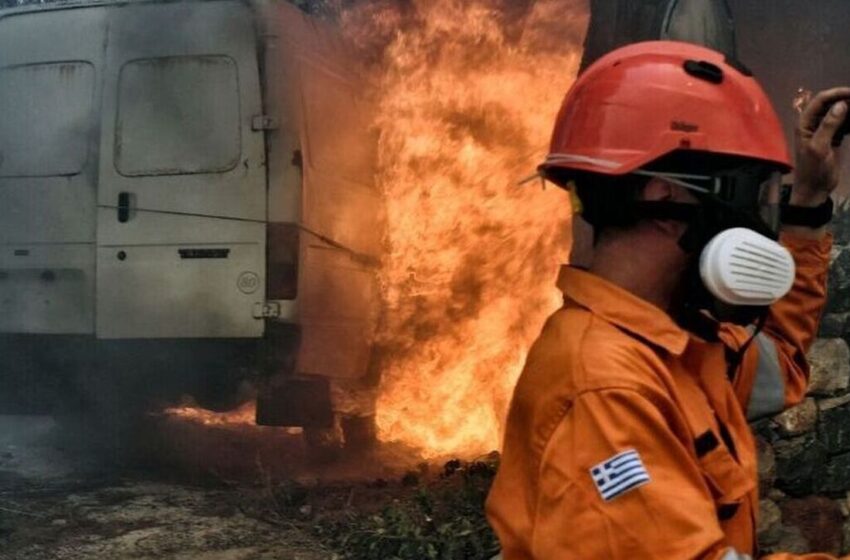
[[660, 190], [581, 254]]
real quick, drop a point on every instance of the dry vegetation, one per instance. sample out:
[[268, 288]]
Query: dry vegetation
[[424, 515]]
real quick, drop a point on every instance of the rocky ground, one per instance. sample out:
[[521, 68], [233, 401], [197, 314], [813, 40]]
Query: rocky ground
[[192, 492], [60, 499], [804, 464], [139, 519]]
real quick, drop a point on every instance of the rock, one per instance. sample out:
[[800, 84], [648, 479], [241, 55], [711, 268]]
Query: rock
[[765, 429], [844, 506], [769, 527], [833, 325], [845, 549], [835, 475], [776, 495], [766, 466], [827, 404], [291, 494], [820, 521], [798, 462], [793, 541], [798, 419], [830, 365], [839, 284], [834, 429], [841, 224]]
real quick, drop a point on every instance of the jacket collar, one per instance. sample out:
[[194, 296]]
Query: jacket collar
[[623, 309]]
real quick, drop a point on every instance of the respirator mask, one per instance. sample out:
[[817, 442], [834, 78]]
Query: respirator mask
[[741, 269]]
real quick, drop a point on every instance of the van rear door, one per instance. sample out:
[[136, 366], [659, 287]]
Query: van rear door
[[50, 66], [182, 192]]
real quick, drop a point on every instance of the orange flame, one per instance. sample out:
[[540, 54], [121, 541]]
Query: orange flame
[[242, 416], [468, 95], [469, 92]]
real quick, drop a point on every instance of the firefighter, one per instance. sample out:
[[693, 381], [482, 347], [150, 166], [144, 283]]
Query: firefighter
[[628, 436]]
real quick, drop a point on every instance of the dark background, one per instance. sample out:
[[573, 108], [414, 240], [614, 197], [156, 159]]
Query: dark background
[[794, 43]]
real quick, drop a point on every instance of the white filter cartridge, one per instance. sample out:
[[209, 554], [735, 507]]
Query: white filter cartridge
[[742, 267]]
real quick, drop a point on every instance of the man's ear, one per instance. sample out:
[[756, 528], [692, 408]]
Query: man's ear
[[659, 190]]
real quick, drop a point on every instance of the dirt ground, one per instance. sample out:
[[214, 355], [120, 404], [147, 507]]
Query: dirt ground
[[124, 519], [187, 492], [179, 490]]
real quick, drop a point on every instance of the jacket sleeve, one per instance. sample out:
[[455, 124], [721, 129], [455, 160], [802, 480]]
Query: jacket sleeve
[[774, 373], [659, 507]]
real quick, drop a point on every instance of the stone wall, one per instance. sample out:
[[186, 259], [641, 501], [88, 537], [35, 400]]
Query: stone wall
[[804, 453]]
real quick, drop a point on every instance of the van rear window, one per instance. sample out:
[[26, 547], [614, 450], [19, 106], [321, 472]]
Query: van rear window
[[47, 118], [178, 115]]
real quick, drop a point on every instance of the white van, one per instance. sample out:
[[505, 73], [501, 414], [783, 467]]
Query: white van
[[187, 199]]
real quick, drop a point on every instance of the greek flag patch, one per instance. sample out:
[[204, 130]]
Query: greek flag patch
[[619, 474]]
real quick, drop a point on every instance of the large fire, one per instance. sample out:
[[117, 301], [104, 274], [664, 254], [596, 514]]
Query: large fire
[[469, 92]]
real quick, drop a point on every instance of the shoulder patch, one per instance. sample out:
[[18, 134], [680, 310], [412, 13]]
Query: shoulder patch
[[619, 474]]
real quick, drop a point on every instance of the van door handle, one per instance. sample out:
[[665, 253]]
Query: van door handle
[[124, 199]]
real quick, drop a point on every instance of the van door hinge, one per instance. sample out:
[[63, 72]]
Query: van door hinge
[[263, 122], [274, 309]]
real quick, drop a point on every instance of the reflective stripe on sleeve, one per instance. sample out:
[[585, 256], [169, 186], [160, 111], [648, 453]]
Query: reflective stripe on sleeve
[[733, 554], [768, 395]]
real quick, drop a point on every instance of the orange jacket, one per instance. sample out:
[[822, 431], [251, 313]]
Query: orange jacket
[[626, 438]]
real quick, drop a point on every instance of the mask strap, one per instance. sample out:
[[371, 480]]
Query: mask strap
[[736, 358], [690, 214]]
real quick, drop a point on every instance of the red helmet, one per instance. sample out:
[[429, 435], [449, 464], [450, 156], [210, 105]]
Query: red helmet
[[646, 100]]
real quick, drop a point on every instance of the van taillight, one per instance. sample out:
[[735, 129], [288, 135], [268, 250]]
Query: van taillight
[[283, 241]]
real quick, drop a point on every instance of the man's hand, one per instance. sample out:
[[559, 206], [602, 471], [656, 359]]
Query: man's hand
[[818, 164]]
